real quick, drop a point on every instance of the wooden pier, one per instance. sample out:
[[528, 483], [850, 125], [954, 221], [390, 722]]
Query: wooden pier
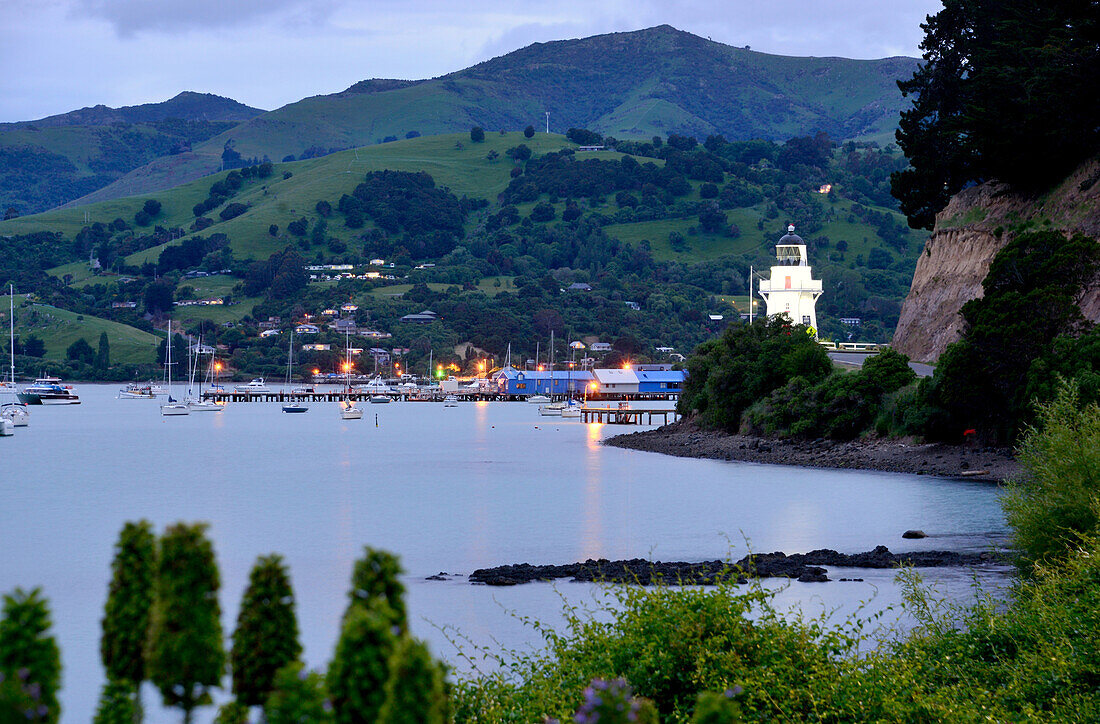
[[626, 415]]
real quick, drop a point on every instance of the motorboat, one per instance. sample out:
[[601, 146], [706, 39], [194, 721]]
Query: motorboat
[[6, 428], [380, 399], [348, 411], [137, 391], [539, 400], [450, 401], [294, 407], [48, 391], [256, 387], [15, 412], [553, 409], [375, 386]]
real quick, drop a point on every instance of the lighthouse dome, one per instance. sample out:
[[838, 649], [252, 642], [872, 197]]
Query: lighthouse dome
[[791, 237]]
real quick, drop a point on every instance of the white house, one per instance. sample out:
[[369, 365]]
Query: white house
[[792, 290], [307, 329], [616, 381]]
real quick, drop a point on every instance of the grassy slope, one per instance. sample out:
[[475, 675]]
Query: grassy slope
[[59, 328], [638, 84]]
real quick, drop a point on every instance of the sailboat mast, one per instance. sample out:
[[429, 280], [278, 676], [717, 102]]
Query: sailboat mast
[[11, 321]]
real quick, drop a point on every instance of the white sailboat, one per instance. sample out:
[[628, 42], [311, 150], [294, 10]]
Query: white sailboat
[[171, 408], [196, 403], [348, 410], [295, 406], [13, 411]]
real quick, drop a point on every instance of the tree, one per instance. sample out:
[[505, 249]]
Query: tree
[[103, 354], [159, 295], [360, 666], [33, 346], [126, 614], [117, 704], [298, 696], [416, 690], [151, 207], [529, 132], [185, 657], [29, 655], [477, 134], [266, 638], [80, 351], [519, 153], [376, 577]]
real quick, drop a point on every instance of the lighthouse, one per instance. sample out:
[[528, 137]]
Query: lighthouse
[[792, 290]]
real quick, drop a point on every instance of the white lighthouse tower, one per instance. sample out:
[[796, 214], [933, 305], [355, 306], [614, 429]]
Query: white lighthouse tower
[[792, 290]]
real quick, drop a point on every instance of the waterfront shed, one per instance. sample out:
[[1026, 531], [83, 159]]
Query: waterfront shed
[[616, 381]]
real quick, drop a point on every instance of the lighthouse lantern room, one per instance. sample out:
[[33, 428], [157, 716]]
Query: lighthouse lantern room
[[792, 290]]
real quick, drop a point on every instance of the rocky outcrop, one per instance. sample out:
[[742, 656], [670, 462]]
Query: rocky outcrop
[[805, 567], [977, 224]]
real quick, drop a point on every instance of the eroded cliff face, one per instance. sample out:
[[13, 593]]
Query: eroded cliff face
[[977, 224]]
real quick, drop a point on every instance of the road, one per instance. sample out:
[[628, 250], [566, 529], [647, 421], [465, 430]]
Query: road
[[857, 359]]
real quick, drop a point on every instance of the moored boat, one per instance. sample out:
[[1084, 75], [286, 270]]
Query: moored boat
[[16, 413], [6, 428], [48, 391], [256, 387], [137, 391]]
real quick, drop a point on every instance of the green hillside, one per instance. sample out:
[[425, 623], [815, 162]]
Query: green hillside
[[59, 328], [51, 161], [505, 239], [628, 85]]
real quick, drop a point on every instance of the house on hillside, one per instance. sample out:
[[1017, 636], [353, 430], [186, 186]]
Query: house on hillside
[[425, 317]]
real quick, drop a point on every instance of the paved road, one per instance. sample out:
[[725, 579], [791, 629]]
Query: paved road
[[857, 359]]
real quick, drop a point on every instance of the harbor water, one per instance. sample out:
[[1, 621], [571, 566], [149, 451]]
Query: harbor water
[[447, 489]]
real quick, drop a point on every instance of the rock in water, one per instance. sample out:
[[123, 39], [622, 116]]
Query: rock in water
[[914, 534]]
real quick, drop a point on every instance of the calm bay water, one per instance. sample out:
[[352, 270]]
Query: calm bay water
[[448, 489]]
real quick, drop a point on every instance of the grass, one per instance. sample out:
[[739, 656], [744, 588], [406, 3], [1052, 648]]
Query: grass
[[486, 285], [59, 328]]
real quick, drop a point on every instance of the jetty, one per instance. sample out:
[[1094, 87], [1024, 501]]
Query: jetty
[[627, 415]]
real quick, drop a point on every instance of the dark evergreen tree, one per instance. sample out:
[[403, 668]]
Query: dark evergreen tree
[[266, 638], [80, 351], [416, 690], [29, 656], [103, 354], [477, 134], [185, 657], [376, 578], [529, 132], [125, 623], [360, 667]]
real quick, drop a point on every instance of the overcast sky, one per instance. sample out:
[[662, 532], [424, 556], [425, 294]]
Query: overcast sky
[[60, 55]]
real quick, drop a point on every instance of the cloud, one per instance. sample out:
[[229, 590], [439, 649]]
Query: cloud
[[130, 17]]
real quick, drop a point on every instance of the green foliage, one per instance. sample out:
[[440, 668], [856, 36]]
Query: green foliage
[[986, 61], [266, 637], [129, 602], [1054, 509], [185, 657], [103, 352], [715, 708], [80, 351], [117, 703], [1031, 298], [376, 577], [728, 374], [415, 691], [232, 712], [298, 696], [360, 666], [477, 134], [30, 662]]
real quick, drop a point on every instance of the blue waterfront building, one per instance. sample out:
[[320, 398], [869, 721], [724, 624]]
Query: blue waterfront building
[[510, 381], [660, 381]]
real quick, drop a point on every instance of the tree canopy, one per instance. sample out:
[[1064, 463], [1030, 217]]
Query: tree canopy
[[999, 97]]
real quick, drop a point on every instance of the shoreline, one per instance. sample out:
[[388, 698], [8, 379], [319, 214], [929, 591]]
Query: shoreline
[[962, 462]]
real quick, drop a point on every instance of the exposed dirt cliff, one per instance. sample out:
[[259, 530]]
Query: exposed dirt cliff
[[976, 224]]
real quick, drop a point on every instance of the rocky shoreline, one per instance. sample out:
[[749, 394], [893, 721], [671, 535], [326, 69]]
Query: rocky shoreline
[[684, 439], [805, 567]]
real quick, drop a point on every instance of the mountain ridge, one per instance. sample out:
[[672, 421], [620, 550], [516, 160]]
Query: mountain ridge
[[186, 105]]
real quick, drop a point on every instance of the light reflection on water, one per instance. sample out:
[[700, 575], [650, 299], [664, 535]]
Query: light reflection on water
[[448, 489]]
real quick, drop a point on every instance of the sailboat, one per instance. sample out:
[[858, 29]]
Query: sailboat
[[294, 406], [196, 403], [348, 410], [172, 407], [13, 412], [554, 408]]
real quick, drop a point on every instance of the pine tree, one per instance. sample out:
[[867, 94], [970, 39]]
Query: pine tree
[[29, 654], [103, 354], [360, 667], [185, 656], [416, 690], [376, 577], [125, 621], [266, 638]]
